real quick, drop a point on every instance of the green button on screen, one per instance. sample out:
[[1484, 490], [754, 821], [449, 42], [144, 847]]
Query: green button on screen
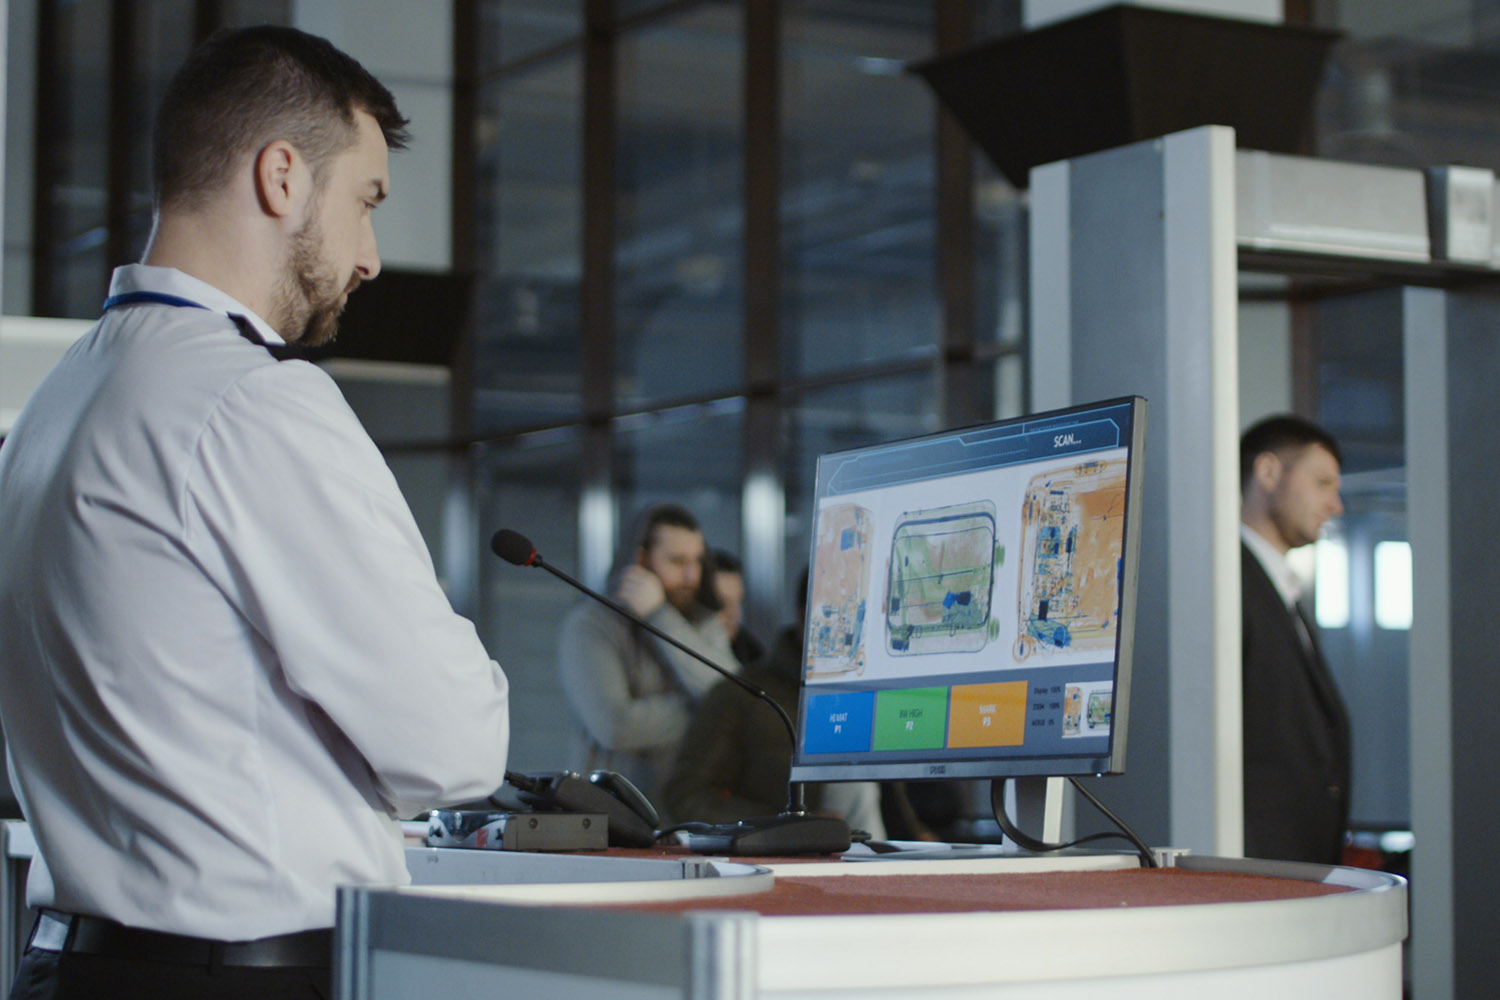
[[911, 719]]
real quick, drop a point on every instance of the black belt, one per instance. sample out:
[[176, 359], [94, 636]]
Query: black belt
[[85, 935]]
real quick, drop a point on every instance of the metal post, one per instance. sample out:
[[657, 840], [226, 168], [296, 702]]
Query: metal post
[[597, 361], [763, 501]]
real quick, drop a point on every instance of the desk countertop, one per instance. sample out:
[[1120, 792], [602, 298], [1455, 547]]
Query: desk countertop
[[1001, 892]]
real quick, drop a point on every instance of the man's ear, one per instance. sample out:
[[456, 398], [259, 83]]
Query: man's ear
[[276, 178], [1266, 471]]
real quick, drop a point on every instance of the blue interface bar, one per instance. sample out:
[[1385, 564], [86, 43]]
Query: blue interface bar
[[1012, 443]]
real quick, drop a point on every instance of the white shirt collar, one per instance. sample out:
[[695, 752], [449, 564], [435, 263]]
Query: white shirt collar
[[1288, 584], [169, 280]]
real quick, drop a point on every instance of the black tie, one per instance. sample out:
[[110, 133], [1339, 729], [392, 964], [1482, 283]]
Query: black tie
[[1303, 619]]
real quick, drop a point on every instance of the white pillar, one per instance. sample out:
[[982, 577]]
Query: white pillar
[[1134, 291], [1452, 363], [1426, 375]]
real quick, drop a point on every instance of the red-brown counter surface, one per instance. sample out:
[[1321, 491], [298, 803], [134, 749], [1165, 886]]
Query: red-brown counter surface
[[994, 892]]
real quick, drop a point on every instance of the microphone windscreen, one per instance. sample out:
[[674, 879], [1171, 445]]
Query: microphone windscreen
[[513, 547]]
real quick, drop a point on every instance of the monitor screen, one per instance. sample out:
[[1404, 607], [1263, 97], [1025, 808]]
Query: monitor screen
[[970, 601]]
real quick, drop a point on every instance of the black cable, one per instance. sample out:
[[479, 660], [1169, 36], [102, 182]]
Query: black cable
[[997, 803], [1148, 858]]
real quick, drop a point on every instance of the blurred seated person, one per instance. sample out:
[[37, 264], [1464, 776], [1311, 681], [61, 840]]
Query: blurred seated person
[[734, 761], [729, 585], [631, 693]]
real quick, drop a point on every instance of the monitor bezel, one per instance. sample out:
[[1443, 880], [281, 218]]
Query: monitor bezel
[[979, 766]]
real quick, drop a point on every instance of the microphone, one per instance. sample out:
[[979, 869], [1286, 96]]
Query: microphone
[[794, 830], [515, 548]]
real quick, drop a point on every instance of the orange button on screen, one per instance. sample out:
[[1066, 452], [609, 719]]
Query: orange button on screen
[[988, 715]]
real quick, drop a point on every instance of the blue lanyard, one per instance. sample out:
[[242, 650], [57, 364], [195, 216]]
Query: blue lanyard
[[278, 351], [159, 298]]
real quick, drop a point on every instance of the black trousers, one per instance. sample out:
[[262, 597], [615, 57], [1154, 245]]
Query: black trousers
[[54, 975]]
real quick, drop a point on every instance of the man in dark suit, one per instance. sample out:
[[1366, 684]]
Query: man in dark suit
[[1297, 749]]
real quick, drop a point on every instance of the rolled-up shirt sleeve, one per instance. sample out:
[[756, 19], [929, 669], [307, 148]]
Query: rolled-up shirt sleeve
[[301, 524]]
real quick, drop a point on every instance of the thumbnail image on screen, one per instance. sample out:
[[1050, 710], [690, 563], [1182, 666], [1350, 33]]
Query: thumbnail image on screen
[[839, 582], [1073, 522], [970, 601], [938, 589]]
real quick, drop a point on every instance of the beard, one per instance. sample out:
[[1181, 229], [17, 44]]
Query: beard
[[309, 299], [684, 599]]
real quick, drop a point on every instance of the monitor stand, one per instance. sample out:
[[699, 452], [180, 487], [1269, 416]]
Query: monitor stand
[[1038, 804]]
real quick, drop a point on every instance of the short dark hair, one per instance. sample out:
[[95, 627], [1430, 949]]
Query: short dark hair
[[1279, 433], [247, 87], [669, 514]]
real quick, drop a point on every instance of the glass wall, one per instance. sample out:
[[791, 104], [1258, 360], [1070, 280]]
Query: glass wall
[[83, 174], [696, 397], [528, 227], [857, 139], [680, 225], [858, 175]]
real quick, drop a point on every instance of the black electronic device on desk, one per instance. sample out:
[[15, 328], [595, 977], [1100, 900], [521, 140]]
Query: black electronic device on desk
[[517, 831], [563, 812], [768, 836], [632, 819]]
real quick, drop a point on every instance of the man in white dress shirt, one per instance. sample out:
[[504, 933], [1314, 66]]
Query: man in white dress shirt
[[228, 666]]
